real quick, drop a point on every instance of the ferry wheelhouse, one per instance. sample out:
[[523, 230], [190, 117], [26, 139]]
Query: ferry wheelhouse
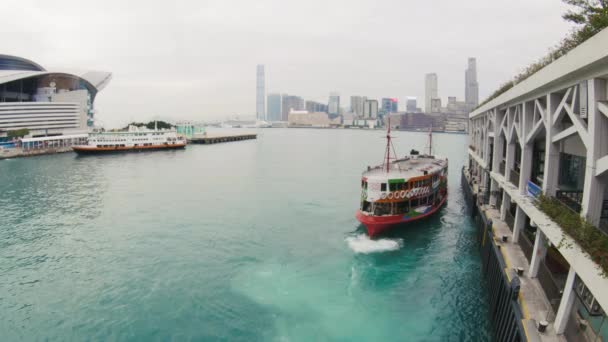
[[134, 139], [402, 190]]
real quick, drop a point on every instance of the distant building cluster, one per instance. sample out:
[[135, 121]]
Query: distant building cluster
[[366, 112]]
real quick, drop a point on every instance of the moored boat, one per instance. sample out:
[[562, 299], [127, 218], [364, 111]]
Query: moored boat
[[132, 140], [402, 190]]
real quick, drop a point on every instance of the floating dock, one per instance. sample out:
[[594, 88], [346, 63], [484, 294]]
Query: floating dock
[[216, 139]]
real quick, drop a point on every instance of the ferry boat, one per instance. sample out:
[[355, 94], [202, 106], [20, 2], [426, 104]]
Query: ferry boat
[[402, 190], [134, 139]]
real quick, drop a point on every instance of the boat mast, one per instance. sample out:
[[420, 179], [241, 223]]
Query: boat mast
[[431, 140], [388, 144]]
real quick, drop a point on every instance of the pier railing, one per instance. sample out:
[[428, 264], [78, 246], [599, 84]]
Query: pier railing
[[505, 311]]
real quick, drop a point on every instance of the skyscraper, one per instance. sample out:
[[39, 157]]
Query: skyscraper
[[260, 105], [390, 105], [356, 104], [334, 104], [410, 105], [274, 107], [471, 87], [430, 91], [370, 109], [289, 103]]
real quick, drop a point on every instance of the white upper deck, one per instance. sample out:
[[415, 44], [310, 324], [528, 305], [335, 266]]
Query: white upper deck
[[408, 167]]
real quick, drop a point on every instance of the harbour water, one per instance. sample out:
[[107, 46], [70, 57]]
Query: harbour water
[[245, 241]]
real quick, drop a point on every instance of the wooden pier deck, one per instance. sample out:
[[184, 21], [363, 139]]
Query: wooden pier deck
[[215, 139]]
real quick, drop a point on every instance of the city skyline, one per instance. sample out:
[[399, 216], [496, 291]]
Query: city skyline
[[198, 65]]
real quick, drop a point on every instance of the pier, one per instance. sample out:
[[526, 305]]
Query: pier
[[523, 148], [207, 139]]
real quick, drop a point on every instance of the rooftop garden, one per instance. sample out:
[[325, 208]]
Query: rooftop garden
[[589, 16], [589, 237]]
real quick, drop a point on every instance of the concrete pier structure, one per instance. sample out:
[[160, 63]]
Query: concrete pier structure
[[548, 136]]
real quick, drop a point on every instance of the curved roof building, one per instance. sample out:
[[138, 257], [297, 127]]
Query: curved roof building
[[47, 102]]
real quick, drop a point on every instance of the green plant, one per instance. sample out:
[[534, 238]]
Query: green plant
[[590, 238], [18, 133]]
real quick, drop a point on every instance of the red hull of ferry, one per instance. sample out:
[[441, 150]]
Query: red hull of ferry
[[379, 224]]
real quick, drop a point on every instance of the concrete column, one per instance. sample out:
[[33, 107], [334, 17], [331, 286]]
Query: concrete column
[[526, 167], [551, 149], [493, 189], [520, 221], [593, 189], [498, 142], [509, 160], [527, 150], [538, 254], [565, 306], [506, 203]]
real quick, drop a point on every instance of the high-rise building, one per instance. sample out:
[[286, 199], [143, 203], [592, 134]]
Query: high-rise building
[[471, 90], [411, 105], [430, 91], [315, 107], [290, 103], [274, 107], [260, 106], [435, 105], [390, 105], [333, 107], [370, 109], [356, 104]]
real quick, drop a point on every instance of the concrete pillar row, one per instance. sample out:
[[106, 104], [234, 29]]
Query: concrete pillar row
[[565, 306]]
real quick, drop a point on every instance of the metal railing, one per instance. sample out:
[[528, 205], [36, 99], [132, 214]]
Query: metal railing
[[570, 198], [505, 311]]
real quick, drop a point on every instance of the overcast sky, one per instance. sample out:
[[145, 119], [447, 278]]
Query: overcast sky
[[196, 59]]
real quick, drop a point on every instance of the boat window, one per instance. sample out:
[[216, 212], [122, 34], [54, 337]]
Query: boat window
[[392, 186], [366, 206], [415, 202], [383, 187], [382, 209], [401, 207]]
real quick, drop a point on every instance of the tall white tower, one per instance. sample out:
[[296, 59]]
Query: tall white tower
[[430, 91], [260, 104], [471, 87]]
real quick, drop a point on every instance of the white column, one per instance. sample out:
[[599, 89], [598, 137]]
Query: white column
[[509, 160], [538, 254], [520, 221], [506, 202], [493, 189], [593, 189], [565, 306], [551, 149], [526, 168]]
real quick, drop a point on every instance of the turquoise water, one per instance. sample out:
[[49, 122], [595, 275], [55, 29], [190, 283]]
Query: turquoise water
[[246, 241]]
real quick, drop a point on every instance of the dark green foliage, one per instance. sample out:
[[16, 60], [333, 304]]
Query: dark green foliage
[[590, 15], [150, 125], [19, 133], [590, 238]]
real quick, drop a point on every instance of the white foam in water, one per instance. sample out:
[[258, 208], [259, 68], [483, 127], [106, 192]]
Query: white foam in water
[[363, 244]]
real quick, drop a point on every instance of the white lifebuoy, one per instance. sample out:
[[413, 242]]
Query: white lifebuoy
[[390, 195], [403, 194], [383, 196]]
